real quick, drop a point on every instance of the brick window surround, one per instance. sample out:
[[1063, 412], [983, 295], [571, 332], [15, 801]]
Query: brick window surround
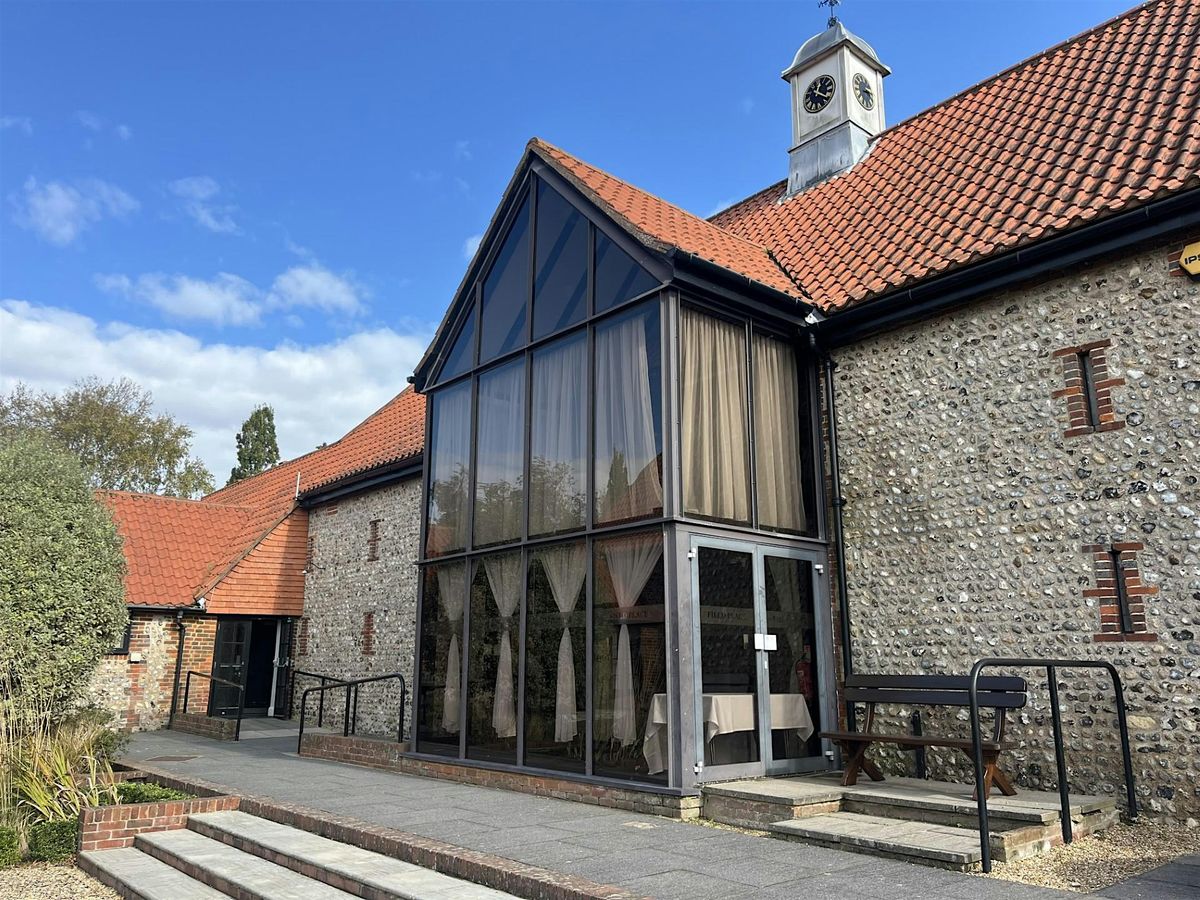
[[373, 541], [302, 638], [1088, 389], [368, 634], [1120, 592]]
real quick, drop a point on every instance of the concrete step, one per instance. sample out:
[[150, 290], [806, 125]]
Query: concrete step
[[137, 876], [352, 869], [918, 842], [231, 871]]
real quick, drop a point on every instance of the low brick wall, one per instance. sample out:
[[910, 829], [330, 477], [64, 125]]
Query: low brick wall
[[108, 827], [393, 757], [205, 726]]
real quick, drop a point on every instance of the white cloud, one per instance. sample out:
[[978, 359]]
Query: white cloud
[[124, 132], [58, 211], [225, 300], [319, 391], [89, 120], [232, 300], [470, 245], [314, 286], [462, 150], [198, 198], [23, 124], [721, 207], [747, 105]]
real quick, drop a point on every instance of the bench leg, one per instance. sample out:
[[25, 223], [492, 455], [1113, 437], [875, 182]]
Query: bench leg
[[993, 774], [856, 761]]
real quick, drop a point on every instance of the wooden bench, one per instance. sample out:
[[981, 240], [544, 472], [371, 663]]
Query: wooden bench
[[1000, 693]]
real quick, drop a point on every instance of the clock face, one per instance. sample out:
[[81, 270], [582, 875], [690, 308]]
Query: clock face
[[818, 94], [863, 92]]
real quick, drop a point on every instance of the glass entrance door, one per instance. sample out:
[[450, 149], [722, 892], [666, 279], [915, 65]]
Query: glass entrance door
[[763, 653]]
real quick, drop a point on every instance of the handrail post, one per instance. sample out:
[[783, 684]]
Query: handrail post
[[1060, 759], [400, 724], [354, 725], [1123, 724], [237, 731], [321, 705], [187, 690], [303, 711], [985, 847]]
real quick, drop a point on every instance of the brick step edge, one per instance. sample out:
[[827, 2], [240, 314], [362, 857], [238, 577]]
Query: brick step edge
[[489, 870]]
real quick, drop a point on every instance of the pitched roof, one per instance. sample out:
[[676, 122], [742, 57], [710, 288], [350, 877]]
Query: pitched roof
[[662, 226], [173, 546], [1098, 125], [243, 547]]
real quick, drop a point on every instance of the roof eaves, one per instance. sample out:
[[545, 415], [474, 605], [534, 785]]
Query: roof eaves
[[211, 585]]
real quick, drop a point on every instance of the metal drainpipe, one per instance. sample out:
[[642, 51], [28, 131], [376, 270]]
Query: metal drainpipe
[[838, 502], [178, 667]]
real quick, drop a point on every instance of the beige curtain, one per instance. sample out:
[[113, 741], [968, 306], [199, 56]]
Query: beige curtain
[[452, 592], [631, 562], [776, 422], [566, 569], [716, 477], [499, 460], [504, 578], [559, 439]]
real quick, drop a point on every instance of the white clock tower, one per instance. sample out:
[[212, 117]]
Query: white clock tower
[[837, 104]]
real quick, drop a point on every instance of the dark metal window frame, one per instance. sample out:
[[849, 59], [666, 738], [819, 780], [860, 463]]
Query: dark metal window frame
[[122, 649]]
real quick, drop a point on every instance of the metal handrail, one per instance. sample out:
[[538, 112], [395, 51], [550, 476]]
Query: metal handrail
[[187, 690], [350, 724], [1051, 666], [323, 678]]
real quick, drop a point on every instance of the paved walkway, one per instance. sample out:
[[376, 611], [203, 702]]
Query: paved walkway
[[647, 854], [1177, 880]]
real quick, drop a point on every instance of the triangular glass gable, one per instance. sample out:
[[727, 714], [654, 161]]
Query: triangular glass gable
[[462, 355], [560, 264], [506, 292], [618, 277]]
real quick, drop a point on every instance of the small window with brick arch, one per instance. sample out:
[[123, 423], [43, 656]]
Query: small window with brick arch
[[373, 541], [1087, 389]]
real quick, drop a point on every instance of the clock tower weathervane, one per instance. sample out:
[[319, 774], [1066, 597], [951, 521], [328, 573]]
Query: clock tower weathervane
[[836, 83]]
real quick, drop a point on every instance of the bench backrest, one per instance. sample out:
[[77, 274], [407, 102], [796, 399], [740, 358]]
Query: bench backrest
[[995, 692]]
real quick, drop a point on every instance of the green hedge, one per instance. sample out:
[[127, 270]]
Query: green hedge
[[53, 841], [10, 847], [144, 792]]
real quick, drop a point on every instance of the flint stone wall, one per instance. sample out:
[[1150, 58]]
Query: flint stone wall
[[968, 512], [343, 585]]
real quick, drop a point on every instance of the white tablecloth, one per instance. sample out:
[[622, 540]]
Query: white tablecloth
[[724, 714]]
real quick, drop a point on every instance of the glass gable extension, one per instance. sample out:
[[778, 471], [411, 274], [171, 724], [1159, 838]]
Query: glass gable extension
[[568, 470]]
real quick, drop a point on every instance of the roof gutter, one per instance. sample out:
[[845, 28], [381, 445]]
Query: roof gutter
[[1079, 245], [409, 467], [715, 274]]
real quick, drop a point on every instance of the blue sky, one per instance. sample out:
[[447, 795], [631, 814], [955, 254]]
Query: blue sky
[[243, 202]]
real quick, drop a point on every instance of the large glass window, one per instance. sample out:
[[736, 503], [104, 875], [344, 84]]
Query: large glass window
[[618, 277], [500, 454], [558, 451], [629, 702], [506, 292], [561, 266], [716, 442], [556, 658], [462, 354], [492, 665], [628, 463], [450, 458], [440, 661], [779, 451]]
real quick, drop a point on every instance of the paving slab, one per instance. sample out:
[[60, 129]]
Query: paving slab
[[1173, 881], [473, 813], [149, 878]]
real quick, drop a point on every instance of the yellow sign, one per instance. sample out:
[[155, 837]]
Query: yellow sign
[[1190, 258]]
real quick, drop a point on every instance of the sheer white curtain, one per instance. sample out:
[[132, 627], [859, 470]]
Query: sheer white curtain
[[630, 561], [776, 422], [500, 454], [452, 593], [559, 437], [504, 577], [716, 473], [565, 568], [451, 450], [625, 434]]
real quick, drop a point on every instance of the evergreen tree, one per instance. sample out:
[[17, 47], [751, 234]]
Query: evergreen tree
[[257, 449]]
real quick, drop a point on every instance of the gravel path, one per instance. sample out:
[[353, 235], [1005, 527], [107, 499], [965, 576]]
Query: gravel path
[[1092, 863], [42, 881]]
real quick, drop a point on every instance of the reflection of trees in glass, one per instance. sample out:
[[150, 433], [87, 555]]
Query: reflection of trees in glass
[[498, 511], [448, 512], [556, 495]]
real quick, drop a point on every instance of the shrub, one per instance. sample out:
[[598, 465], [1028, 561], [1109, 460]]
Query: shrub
[[56, 771], [10, 847], [110, 743], [53, 841], [144, 792], [62, 602]]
